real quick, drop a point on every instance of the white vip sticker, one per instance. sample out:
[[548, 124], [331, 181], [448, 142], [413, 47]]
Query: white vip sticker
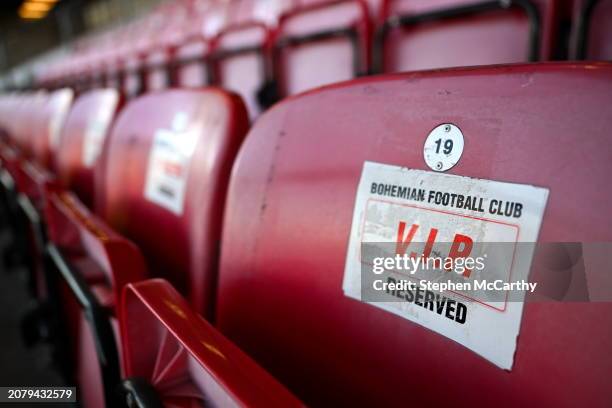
[[412, 210], [168, 168], [59, 105], [93, 139]]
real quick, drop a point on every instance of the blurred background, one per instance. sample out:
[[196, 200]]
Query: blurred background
[[33, 31]]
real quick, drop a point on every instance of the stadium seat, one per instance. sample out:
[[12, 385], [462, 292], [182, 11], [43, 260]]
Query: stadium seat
[[240, 55], [419, 34], [321, 43], [240, 61], [185, 361], [13, 148], [166, 168], [82, 139], [15, 123], [29, 165], [41, 131], [290, 211], [75, 137], [82, 134], [167, 173], [163, 185], [37, 137], [159, 71], [592, 32], [88, 265], [73, 239], [192, 191], [20, 113], [192, 65]]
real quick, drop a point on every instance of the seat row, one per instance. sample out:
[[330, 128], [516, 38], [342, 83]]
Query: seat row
[[270, 49], [197, 262]]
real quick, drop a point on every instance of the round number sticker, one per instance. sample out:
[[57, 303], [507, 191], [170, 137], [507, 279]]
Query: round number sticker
[[443, 147]]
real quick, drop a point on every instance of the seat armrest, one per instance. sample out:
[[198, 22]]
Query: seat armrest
[[182, 355]]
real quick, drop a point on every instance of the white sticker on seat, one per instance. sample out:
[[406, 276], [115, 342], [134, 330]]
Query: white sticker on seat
[[420, 212], [59, 102], [168, 168], [98, 126]]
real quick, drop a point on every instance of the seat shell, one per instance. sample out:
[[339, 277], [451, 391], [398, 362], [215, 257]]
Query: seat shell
[[284, 247]]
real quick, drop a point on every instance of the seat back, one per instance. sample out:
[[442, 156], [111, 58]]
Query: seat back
[[293, 226], [591, 30], [425, 34], [158, 69], [192, 66], [27, 112], [167, 163], [240, 53], [240, 61], [82, 139], [321, 43]]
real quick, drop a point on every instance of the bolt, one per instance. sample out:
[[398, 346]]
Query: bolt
[[447, 128], [439, 166]]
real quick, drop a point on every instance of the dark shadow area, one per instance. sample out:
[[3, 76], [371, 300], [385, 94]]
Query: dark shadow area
[[20, 365]]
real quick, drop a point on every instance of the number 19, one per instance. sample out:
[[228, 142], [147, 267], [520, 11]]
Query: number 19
[[448, 146]]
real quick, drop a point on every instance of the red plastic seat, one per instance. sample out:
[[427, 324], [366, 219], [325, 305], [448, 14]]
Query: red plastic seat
[[288, 221], [591, 30], [165, 181], [158, 60], [184, 359], [193, 67], [53, 149], [19, 122], [41, 145], [240, 51], [25, 120], [69, 142], [425, 34], [26, 113], [321, 43], [159, 141], [104, 263], [82, 139], [167, 164], [29, 167], [240, 61], [82, 131]]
